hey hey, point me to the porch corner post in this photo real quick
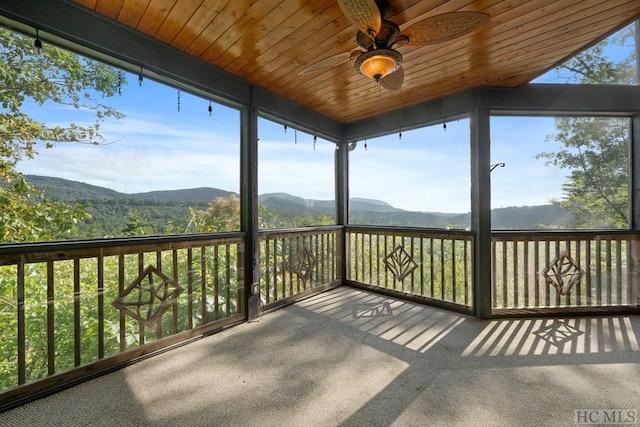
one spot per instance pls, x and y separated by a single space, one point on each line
481 210
634 202
249 206
342 201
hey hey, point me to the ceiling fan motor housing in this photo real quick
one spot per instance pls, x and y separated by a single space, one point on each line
385 38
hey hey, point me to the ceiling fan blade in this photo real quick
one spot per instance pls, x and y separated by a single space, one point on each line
364 14
328 62
393 81
447 26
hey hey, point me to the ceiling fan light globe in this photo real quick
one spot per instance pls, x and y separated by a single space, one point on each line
378 63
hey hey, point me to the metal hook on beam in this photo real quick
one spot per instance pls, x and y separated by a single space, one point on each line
495 166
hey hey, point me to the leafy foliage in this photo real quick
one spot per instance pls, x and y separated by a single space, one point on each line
55 76
595 149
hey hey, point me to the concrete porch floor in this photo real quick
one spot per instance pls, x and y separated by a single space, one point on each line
352 358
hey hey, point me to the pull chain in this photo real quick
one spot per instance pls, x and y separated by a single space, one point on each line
120 82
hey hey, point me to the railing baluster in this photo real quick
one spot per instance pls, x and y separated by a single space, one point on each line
536 269
203 285
370 259
142 331
378 270
240 279
547 256
442 268
557 254
76 314
588 272
598 271
267 271
631 245
228 279
567 299
505 276
318 242
525 272
216 283
190 288
578 286
176 280
466 272
121 279
453 271
609 276
494 276
51 350
289 266
432 268
618 272
356 256
275 269
284 267
22 347
384 270
516 281
159 267
421 266
412 252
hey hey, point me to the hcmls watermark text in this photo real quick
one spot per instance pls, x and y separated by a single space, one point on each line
606 416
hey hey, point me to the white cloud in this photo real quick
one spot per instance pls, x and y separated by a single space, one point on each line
426 170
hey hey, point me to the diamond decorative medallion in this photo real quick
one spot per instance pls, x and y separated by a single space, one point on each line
148 297
303 264
563 273
400 263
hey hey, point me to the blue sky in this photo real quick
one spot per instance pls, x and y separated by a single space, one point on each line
157 147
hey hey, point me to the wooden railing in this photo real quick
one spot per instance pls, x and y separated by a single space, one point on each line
296 262
434 265
69 309
549 271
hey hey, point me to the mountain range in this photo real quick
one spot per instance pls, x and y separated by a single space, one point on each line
362 211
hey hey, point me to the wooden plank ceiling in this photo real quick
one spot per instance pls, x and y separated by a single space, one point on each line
268 43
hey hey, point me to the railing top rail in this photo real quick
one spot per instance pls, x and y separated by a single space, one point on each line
285 232
566 234
411 231
44 251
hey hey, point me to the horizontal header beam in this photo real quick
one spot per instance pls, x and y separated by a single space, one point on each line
81 30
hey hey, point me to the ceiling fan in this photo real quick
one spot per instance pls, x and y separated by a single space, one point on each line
377 37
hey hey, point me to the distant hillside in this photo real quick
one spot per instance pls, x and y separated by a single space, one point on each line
203 194
67 190
159 204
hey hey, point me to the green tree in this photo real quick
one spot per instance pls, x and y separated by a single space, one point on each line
223 214
53 76
594 149
137 224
